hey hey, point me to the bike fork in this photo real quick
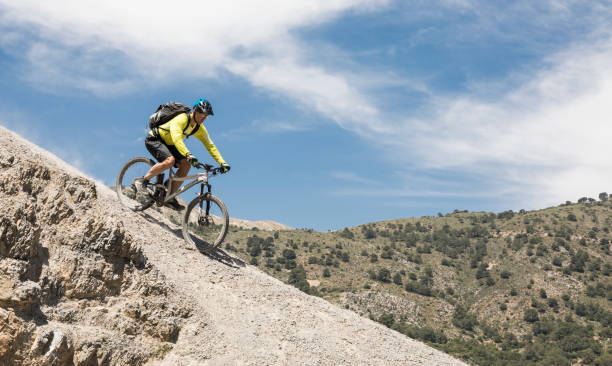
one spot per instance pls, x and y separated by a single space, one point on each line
207 201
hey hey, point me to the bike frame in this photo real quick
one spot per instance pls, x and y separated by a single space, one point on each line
200 178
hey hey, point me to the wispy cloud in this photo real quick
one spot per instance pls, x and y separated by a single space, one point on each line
409 193
278 127
114 47
354 178
538 134
266 127
544 141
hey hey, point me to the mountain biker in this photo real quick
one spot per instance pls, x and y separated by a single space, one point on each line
166 145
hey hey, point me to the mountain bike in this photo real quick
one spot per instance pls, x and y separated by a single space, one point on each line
206 216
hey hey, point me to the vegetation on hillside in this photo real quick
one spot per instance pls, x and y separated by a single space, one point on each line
513 288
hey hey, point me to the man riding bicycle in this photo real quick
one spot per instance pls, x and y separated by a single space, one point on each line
166 145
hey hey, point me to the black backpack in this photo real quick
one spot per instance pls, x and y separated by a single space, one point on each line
165 112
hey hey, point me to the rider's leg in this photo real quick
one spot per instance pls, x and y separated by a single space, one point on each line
183 170
159 168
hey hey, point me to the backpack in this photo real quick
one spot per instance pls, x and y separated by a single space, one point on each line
165 112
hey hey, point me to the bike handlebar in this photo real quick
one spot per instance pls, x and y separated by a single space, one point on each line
210 169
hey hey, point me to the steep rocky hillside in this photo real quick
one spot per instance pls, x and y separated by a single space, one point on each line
84 281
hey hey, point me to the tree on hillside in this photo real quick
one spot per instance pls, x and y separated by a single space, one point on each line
531 315
397 279
463 319
384 275
603 196
386 319
368 232
288 254
578 261
505 215
482 271
297 278
347 234
387 253
345 257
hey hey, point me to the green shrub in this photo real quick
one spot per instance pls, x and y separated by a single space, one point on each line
397 279
345 257
289 254
482 271
418 288
387 253
463 319
386 319
347 234
384 275
297 278
531 315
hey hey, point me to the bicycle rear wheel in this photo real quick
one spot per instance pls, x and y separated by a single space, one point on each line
126 191
205 231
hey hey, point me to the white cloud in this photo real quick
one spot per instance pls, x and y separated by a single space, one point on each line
268 127
330 94
542 143
114 47
352 177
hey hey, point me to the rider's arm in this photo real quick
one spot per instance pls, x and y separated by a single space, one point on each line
202 135
177 126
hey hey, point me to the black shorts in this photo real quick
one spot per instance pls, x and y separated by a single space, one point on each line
160 151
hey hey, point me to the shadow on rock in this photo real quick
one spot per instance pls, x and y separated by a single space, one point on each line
202 246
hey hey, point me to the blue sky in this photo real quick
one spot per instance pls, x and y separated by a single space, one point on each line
331 113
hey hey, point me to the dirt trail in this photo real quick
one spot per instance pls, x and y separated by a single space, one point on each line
240 315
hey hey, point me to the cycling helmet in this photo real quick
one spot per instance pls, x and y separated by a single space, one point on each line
203 106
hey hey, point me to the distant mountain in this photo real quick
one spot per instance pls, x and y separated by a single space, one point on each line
512 288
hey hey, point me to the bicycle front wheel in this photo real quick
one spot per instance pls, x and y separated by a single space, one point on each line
202 228
126 191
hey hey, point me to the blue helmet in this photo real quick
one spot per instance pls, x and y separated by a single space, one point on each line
203 106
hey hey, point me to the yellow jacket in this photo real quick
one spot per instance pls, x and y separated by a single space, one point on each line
172 134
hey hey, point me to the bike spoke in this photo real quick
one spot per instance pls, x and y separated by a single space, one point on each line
126 190
205 231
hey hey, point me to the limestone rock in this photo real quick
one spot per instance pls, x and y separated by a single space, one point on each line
84 281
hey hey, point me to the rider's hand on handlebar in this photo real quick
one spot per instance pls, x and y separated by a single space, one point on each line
225 168
193 161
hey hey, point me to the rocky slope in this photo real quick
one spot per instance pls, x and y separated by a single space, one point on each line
266 225
84 281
